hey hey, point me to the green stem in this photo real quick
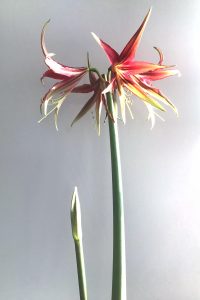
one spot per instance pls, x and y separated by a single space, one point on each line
119 256
97 72
81 270
77 236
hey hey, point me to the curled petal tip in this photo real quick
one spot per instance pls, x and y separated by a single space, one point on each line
43 46
72 123
96 37
148 14
176 111
46 23
160 55
42 80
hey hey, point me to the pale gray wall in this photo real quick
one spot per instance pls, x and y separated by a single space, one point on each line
39 167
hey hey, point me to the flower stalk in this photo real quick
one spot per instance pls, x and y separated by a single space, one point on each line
77 236
119 256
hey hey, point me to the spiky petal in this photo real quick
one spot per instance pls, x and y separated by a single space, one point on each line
137 76
68 78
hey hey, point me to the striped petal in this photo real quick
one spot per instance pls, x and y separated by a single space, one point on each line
59 90
64 86
64 70
55 66
112 55
84 88
54 89
128 53
51 74
137 90
156 93
160 74
138 67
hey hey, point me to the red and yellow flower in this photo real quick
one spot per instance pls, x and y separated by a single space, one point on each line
127 74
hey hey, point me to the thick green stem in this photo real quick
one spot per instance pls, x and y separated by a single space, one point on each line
119 257
81 270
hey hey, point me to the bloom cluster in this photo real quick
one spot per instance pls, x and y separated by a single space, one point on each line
125 77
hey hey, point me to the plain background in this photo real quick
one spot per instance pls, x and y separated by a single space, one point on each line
40 167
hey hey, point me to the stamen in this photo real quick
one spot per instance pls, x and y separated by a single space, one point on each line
128 100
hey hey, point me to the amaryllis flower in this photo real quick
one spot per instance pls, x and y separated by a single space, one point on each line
136 77
97 86
67 77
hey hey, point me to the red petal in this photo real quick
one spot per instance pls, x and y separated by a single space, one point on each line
55 66
64 70
55 88
156 93
128 52
159 74
138 67
84 88
64 87
113 56
51 74
85 108
140 92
